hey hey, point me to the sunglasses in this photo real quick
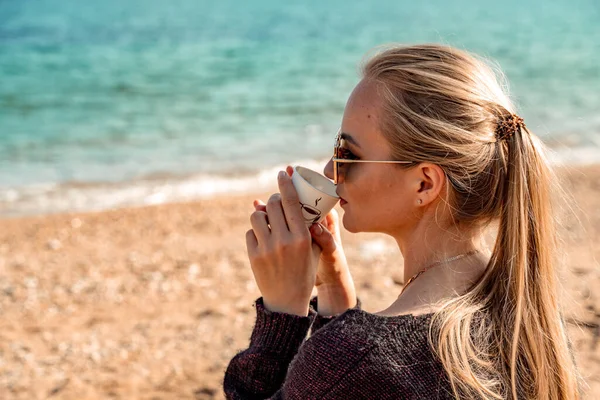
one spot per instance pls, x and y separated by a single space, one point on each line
341 154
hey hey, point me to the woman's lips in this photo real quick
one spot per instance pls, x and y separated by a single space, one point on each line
342 201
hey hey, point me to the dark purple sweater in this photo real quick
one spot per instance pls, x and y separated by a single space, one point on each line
355 355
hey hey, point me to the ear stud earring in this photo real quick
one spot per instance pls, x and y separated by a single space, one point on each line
420 201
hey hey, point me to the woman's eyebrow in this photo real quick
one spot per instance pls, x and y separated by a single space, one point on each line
349 138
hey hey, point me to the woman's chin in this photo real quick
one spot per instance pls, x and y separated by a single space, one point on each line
347 223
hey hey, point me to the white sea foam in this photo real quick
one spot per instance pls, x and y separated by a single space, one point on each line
575 155
72 197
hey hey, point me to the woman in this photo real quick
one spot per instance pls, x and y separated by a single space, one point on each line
469 323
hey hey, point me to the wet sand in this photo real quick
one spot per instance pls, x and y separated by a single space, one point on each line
152 302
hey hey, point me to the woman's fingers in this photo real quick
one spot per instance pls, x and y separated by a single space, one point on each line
291 204
259 205
332 223
278 213
322 237
258 220
276 216
251 243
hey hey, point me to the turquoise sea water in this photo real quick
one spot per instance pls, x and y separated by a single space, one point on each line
132 102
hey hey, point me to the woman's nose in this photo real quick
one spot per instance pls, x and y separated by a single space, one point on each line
328 170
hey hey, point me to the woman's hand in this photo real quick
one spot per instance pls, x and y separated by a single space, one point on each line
335 287
334 283
282 256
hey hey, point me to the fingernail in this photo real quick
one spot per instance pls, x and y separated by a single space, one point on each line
281 174
317 229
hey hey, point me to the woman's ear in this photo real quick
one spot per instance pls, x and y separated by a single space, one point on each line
431 181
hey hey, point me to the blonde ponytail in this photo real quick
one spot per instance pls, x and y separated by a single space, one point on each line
504 338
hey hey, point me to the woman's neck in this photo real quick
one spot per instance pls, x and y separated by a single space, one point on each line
430 290
430 243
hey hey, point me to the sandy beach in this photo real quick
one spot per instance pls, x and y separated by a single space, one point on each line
152 302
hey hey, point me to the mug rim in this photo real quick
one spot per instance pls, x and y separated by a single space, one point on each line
299 168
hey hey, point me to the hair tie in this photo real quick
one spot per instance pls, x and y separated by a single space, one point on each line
508 125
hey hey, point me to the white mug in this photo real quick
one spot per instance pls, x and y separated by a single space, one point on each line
316 193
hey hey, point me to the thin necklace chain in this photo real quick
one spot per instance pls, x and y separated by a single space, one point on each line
447 260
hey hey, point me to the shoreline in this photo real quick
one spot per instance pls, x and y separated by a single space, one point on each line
69 197
154 301
51 199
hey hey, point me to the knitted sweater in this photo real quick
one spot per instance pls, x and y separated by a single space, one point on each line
355 355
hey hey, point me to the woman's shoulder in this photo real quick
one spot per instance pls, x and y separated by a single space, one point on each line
382 321
359 348
358 331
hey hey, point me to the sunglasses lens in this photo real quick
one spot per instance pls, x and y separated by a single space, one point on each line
336 155
335 172
335 163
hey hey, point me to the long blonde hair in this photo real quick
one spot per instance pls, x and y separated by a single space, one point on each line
505 337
